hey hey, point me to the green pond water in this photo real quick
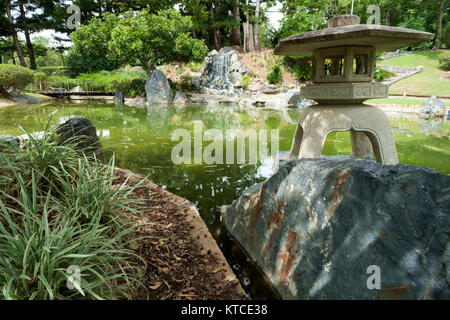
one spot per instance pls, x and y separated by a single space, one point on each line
141 141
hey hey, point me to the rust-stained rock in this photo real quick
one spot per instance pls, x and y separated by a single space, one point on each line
316 226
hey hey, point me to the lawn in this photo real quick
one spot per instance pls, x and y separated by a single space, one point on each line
400 101
426 83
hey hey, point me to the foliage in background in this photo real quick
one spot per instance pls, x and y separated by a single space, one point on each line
381 74
446 36
90 46
301 67
58 210
307 15
246 81
444 61
269 36
276 76
186 83
130 82
14 78
136 38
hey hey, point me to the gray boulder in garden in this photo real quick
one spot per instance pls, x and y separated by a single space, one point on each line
119 97
82 134
9 139
293 99
433 107
196 80
180 98
158 89
346 229
271 90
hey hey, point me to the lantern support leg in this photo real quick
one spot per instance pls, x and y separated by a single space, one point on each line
369 128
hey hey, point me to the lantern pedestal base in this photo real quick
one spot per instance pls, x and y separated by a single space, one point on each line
369 128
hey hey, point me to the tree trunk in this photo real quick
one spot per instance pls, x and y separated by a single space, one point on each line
251 42
4 93
388 18
216 32
247 30
258 5
237 29
14 34
13 58
27 38
437 43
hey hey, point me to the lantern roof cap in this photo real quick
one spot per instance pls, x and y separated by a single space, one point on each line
383 38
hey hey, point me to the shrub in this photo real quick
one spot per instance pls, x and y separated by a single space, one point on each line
428 45
444 61
131 83
381 74
186 83
14 78
195 66
40 76
246 81
83 62
303 71
58 210
276 76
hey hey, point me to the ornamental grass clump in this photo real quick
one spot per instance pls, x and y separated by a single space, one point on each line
61 233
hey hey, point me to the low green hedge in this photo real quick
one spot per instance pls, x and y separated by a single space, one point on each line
381 74
14 78
276 76
130 83
444 61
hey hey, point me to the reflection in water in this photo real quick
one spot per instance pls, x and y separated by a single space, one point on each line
430 124
141 140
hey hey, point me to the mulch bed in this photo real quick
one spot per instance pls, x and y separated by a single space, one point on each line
179 264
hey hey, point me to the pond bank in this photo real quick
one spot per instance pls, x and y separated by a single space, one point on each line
183 259
24 99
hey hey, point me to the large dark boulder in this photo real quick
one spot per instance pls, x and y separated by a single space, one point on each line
82 134
316 227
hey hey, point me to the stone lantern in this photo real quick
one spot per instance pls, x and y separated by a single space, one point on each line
343 70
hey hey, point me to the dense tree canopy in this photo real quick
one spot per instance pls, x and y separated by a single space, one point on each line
155 39
217 22
307 15
142 38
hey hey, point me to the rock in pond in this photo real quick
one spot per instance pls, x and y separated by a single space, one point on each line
433 107
158 89
119 97
83 134
180 98
9 139
293 99
319 228
271 90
